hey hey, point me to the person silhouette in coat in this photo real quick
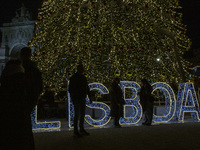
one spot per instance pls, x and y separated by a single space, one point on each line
15 109
78 89
146 100
117 102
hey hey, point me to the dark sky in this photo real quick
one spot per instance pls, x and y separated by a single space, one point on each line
190 10
191 17
9 7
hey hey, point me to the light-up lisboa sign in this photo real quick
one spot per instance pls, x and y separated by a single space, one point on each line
132 104
105 109
44 125
187 102
174 108
170 102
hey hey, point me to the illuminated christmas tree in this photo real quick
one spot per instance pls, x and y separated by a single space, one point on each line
132 39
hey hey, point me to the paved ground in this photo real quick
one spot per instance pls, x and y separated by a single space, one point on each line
176 136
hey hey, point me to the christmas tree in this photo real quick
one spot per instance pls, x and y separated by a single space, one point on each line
130 39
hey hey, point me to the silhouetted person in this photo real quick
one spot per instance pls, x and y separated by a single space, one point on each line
146 100
117 102
78 89
34 81
33 75
16 132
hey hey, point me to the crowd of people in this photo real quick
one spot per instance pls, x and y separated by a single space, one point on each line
21 87
78 89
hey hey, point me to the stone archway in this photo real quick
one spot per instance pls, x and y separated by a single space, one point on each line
15 36
15 51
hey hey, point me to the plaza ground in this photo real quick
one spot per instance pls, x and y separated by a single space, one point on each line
171 136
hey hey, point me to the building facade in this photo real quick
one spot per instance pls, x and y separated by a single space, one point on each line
15 36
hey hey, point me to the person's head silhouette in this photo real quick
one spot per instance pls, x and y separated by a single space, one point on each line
25 53
117 80
144 82
80 69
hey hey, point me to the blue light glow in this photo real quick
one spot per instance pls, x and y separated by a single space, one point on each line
45 125
71 112
187 102
105 115
101 121
131 104
170 102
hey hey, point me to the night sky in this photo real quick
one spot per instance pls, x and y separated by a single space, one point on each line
9 7
190 10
